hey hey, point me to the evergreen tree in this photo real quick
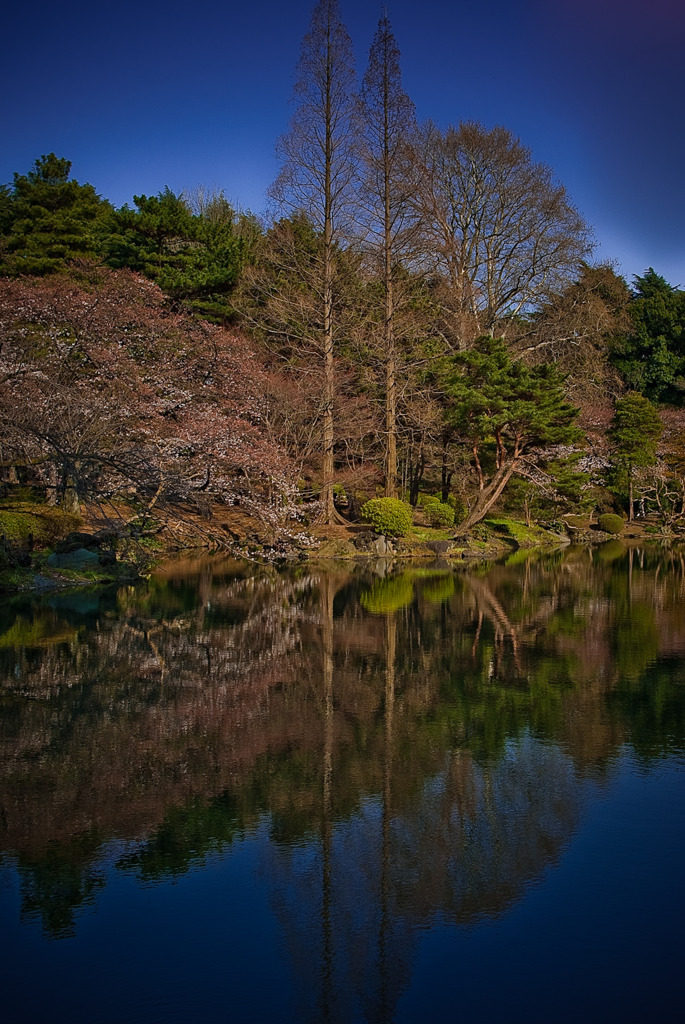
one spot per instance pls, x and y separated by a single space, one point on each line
651 355
510 415
634 435
195 258
50 219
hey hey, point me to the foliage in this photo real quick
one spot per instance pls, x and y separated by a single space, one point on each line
635 431
509 414
194 258
50 219
634 436
388 516
575 328
105 395
651 354
610 523
437 513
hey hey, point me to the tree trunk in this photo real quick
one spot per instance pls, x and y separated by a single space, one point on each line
390 384
445 474
328 436
416 476
630 500
70 502
487 497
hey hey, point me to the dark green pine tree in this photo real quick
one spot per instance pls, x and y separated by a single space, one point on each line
50 220
651 356
510 415
634 435
195 258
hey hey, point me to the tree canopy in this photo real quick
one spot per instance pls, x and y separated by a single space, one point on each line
49 218
510 415
651 353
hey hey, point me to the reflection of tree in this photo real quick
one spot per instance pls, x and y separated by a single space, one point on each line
60 881
389 594
177 715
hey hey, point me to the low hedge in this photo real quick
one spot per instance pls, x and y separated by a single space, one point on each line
389 516
437 513
610 523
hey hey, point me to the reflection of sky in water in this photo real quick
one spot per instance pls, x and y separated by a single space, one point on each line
483 812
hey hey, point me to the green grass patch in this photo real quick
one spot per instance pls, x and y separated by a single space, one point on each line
428 533
524 536
21 522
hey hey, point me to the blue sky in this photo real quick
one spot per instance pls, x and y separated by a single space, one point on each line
143 95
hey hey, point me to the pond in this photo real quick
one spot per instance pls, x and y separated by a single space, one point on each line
368 793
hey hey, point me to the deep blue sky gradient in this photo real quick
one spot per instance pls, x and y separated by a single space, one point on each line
143 95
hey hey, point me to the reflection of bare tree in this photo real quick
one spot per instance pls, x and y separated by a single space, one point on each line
208 696
488 605
327 596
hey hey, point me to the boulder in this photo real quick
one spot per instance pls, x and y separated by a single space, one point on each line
440 547
382 546
75 541
372 543
81 558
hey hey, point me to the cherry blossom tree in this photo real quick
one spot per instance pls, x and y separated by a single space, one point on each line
106 393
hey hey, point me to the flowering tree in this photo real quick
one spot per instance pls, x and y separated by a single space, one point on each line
104 392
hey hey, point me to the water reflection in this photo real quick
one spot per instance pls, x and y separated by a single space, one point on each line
419 742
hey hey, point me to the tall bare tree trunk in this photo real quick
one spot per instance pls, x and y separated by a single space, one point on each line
390 382
316 179
387 119
329 366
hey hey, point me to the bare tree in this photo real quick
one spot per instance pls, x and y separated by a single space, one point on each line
386 123
317 175
499 232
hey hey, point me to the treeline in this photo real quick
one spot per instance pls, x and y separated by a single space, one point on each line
421 308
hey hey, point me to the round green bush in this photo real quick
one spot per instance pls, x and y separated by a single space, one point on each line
610 523
389 516
437 513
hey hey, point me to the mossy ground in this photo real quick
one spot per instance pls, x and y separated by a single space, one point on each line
30 526
40 577
25 523
519 532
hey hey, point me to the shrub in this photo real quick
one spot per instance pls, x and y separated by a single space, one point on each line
437 513
388 516
460 508
610 523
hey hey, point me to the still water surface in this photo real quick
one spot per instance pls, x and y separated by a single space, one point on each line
355 795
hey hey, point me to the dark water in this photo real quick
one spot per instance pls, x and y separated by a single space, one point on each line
423 796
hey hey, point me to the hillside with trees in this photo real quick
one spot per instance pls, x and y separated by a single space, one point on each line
418 318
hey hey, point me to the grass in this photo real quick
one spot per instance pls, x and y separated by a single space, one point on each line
520 533
426 533
23 522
